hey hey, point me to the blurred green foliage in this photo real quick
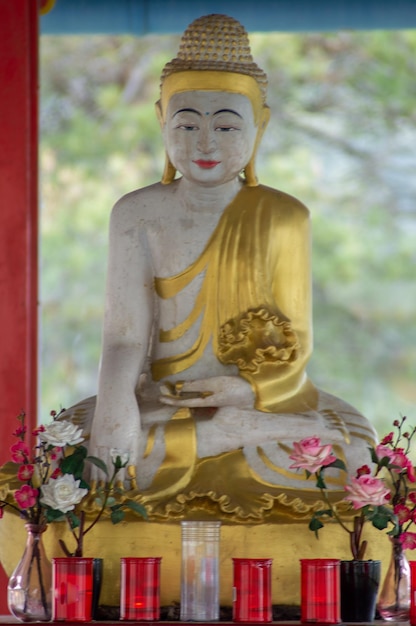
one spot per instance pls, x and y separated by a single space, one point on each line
341 139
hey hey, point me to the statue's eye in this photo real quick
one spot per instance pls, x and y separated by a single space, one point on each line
226 129
187 127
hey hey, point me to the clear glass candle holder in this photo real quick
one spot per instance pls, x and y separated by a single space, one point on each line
200 571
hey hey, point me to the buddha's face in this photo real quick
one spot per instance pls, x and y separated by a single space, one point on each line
209 136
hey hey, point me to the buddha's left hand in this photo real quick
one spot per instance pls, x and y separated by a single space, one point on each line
209 392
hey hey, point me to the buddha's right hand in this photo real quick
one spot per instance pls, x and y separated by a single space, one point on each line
112 441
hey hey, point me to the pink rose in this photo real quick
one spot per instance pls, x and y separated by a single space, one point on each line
408 540
26 497
384 451
366 490
309 454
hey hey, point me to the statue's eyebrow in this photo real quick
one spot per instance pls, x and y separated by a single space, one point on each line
228 111
187 111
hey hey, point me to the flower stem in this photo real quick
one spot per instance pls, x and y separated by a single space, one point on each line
357 549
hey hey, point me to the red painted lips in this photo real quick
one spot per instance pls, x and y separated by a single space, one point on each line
206 164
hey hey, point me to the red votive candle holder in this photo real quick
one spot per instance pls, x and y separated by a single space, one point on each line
320 591
72 589
252 590
412 593
140 588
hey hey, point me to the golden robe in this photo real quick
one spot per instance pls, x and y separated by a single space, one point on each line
255 306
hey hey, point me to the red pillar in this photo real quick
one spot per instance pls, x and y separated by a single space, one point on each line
18 219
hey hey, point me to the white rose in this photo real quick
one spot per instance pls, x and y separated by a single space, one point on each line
121 455
62 433
62 493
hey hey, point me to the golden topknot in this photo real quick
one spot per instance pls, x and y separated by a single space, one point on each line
220 43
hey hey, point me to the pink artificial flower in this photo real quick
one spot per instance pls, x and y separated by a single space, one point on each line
37 431
404 464
309 454
56 472
364 469
384 451
25 472
20 431
55 453
402 512
366 490
412 497
20 452
408 540
387 439
26 496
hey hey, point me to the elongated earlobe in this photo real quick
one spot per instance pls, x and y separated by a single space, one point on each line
169 172
250 169
250 173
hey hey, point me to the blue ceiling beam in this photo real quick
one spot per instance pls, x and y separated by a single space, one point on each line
142 17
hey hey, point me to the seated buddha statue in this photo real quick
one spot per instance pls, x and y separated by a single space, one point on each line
208 323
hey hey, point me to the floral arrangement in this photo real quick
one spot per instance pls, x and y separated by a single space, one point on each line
381 496
52 487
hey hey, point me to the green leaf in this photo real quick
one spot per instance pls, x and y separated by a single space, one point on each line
380 521
138 508
320 483
386 462
98 463
73 519
83 484
381 516
117 516
324 512
74 463
374 456
315 524
53 515
338 463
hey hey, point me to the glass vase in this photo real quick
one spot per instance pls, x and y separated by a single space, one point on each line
29 587
394 600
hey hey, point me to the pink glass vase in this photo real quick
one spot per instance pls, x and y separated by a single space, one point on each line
394 600
29 587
